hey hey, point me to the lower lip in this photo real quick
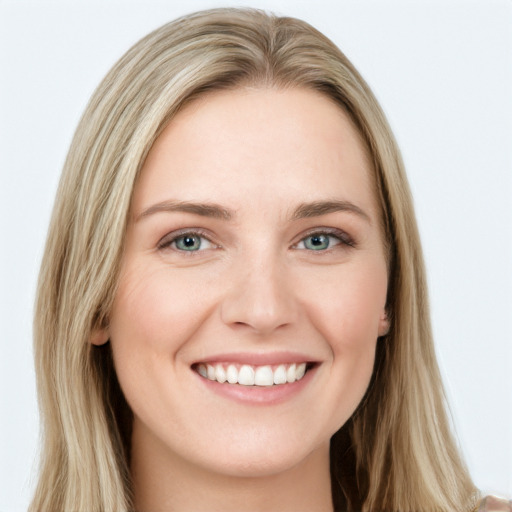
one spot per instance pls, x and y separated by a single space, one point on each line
263 395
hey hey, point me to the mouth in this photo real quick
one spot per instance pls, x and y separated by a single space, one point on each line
253 375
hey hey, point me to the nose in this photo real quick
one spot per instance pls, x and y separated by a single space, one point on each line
260 298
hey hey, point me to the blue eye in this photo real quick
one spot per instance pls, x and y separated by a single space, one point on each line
188 242
323 241
319 242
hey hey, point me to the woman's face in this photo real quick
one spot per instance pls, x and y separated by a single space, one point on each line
253 253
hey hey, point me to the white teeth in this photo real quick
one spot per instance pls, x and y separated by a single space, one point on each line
249 375
232 374
299 372
290 373
246 375
220 374
280 374
263 376
210 370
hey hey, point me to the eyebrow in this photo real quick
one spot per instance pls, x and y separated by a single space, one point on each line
213 210
203 209
318 208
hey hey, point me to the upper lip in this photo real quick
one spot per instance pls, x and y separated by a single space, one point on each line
258 359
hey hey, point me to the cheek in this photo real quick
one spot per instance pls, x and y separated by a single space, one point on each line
348 307
347 311
156 310
155 314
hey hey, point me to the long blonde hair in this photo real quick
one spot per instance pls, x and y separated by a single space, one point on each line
396 452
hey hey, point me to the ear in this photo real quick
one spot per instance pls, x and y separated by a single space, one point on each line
99 337
384 323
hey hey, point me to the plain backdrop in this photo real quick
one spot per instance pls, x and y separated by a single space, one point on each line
443 73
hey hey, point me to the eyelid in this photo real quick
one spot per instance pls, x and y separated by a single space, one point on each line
167 240
341 235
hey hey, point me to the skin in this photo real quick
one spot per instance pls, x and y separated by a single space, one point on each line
255 287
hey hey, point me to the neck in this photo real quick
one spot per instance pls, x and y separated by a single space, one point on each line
165 482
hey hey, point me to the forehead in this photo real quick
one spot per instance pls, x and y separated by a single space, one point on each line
236 144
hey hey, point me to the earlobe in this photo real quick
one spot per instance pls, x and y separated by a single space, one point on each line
99 337
384 324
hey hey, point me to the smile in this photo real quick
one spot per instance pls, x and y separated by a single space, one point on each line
250 375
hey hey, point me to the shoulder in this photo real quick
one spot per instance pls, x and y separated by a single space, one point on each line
495 504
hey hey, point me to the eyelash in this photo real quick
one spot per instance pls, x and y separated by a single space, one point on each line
167 241
343 238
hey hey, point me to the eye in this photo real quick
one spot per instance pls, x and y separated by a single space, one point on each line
318 242
186 242
322 241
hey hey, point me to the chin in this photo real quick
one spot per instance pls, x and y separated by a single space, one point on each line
269 457
260 467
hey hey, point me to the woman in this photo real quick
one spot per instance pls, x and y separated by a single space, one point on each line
232 307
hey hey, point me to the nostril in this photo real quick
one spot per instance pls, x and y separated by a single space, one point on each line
262 302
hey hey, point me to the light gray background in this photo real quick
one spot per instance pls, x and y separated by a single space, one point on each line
443 73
